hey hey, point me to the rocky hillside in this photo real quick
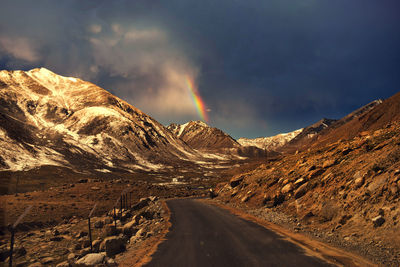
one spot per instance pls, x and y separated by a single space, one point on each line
327 129
48 119
271 143
346 185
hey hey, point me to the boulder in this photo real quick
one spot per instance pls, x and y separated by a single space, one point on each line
328 163
143 202
99 224
48 260
287 188
235 181
113 245
96 245
111 262
378 221
358 180
81 234
315 173
301 191
129 228
140 233
35 264
63 264
91 259
109 230
299 182
71 257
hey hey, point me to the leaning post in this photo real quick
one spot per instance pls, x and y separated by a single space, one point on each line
12 230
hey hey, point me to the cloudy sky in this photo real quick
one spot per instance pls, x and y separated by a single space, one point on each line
261 67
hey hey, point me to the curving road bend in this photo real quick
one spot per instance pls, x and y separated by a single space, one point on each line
205 235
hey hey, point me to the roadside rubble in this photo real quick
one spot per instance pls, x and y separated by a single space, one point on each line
68 244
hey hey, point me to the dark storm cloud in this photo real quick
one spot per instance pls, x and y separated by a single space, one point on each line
262 67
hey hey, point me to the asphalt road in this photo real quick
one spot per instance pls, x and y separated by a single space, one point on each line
205 235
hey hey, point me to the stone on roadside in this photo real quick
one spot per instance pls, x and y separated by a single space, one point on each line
129 228
113 245
91 259
143 202
96 245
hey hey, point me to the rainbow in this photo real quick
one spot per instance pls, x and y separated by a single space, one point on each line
197 101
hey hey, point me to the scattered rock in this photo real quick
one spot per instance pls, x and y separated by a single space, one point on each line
344 219
36 264
48 260
113 245
301 191
287 188
96 245
141 204
235 181
328 163
109 230
56 238
141 232
63 264
99 224
71 257
129 228
95 188
299 182
245 198
91 259
111 262
85 243
81 234
358 179
378 221
278 199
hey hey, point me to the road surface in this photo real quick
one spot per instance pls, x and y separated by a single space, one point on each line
205 235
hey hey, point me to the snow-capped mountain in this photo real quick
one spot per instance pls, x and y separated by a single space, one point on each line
199 135
271 143
48 119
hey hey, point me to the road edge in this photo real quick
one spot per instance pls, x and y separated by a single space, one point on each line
312 247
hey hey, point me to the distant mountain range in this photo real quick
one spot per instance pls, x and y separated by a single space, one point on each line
48 119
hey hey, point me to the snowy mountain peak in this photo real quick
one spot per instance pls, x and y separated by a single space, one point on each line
270 143
48 119
201 136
